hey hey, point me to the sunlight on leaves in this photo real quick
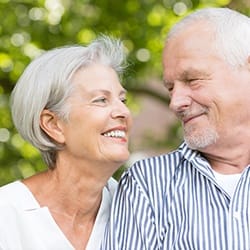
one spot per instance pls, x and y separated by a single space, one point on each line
6 63
37 14
180 8
85 36
4 135
31 50
56 10
25 168
17 141
28 151
155 17
143 55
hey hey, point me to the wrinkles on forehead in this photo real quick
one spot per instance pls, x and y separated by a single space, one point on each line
187 75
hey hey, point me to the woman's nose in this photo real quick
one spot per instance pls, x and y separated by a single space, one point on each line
120 110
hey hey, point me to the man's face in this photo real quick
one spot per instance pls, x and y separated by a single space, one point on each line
209 96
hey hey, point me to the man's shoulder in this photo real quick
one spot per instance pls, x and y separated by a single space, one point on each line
151 176
160 168
155 163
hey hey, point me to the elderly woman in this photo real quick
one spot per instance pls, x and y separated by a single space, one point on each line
69 103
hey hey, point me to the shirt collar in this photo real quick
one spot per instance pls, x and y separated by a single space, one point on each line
196 159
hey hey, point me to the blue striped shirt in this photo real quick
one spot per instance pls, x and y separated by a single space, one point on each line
173 202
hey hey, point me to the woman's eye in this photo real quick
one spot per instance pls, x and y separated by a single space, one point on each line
124 100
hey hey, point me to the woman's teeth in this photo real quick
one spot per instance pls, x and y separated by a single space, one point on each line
115 133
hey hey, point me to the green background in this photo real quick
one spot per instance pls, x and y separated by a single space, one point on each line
29 27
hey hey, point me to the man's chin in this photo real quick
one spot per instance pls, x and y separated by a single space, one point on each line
200 142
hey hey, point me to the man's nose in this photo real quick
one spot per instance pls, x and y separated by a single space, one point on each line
180 98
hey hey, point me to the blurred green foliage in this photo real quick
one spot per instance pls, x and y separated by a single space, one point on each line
29 27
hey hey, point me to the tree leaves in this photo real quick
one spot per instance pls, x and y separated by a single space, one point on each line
29 27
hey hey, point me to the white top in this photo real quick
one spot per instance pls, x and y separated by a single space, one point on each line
24 225
227 181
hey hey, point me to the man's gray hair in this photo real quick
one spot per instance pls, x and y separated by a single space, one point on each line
231 31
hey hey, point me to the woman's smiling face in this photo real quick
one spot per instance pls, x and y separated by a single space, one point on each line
99 120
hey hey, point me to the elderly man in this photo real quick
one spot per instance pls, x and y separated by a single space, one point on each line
198 196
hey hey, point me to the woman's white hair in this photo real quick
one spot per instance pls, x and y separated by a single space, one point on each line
45 84
231 31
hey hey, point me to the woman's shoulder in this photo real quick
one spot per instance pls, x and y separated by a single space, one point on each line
10 191
9 196
17 195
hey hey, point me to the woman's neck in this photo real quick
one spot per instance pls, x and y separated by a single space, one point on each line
73 201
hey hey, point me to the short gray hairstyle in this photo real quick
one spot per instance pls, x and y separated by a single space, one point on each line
45 84
231 30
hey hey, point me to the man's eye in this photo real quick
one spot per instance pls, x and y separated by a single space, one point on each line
169 87
193 79
101 100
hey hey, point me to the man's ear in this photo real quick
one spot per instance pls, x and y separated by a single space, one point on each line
51 125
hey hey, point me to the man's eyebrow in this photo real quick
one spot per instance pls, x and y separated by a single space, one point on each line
189 73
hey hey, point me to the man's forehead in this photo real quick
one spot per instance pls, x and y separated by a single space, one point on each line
184 74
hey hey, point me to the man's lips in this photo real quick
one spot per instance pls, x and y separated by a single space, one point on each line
185 120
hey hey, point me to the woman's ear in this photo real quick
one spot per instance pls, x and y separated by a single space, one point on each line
52 126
